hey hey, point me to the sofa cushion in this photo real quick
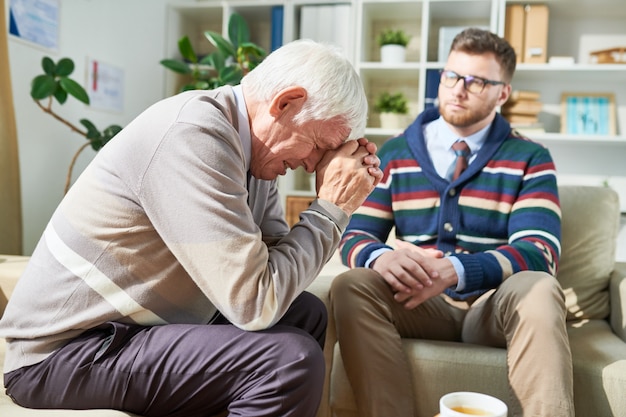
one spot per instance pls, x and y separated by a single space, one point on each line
590 225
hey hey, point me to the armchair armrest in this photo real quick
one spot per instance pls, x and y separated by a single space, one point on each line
617 289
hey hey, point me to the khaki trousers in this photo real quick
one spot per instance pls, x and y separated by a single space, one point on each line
525 315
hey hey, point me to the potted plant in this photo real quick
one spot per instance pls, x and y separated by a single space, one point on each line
393 108
233 58
393 44
55 84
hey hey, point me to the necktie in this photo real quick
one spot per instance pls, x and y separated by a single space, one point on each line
462 151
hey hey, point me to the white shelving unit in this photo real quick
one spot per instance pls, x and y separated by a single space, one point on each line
575 28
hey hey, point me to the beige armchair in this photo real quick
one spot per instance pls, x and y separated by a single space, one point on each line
595 288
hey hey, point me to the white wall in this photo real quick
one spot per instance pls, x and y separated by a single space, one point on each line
128 34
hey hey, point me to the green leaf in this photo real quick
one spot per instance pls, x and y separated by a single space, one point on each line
188 87
60 94
220 43
48 65
216 60
64 67
176 66
111 131
107 135
250 48
231 75
208 59
75 90
96 144
92 132
186 49
42 86
201 85
238 31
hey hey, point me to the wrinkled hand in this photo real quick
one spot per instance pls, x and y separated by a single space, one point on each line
371 160
347 175
415 274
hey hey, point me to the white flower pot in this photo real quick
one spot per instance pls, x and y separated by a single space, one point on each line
392 121
392 54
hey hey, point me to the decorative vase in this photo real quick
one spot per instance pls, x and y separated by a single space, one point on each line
392 54
392 121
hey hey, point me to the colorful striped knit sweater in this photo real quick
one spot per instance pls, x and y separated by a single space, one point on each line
501 216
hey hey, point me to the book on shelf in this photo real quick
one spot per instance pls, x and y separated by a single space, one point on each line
277 27
520 118
524 95
522 107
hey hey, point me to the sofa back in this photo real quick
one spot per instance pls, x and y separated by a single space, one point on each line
590 224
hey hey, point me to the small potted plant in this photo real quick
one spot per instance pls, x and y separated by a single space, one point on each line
393 108
393 44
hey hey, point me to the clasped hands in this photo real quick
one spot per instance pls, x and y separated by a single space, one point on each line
415 274
347 175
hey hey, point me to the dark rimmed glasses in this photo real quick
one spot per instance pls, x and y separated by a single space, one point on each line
473 84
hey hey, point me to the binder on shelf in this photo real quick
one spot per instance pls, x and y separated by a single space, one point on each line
432 88
514 29
277 27
327 23
536 34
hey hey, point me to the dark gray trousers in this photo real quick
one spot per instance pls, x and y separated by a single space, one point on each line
186 370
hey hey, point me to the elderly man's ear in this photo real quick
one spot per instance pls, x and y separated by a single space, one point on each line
289 99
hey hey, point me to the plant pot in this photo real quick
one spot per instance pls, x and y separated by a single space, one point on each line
392 54
392 121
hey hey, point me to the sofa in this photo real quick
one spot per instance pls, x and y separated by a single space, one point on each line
595 288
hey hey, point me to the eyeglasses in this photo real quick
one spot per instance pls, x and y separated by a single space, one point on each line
473 84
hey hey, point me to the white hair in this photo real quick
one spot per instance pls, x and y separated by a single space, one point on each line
333 86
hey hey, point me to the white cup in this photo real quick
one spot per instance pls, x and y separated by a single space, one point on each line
463 404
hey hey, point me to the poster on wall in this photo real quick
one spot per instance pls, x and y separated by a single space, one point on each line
105 86
35 21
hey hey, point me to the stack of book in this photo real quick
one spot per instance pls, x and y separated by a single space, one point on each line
522 110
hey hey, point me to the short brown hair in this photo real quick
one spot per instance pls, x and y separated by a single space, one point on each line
479 41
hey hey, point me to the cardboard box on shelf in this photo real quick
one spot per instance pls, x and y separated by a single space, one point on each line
514 29
526 29
536 34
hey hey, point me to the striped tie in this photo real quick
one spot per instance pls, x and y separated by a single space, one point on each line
462 151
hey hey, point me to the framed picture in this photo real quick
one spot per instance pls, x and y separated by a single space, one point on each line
588 113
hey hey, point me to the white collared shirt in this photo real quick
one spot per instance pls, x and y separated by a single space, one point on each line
439 140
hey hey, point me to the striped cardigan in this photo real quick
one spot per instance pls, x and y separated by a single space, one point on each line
501 216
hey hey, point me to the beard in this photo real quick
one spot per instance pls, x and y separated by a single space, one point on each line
470 116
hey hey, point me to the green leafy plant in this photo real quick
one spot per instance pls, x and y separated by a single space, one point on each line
391 103
55 84
233 58
393 37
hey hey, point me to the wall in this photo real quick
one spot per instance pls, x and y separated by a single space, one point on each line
126 34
